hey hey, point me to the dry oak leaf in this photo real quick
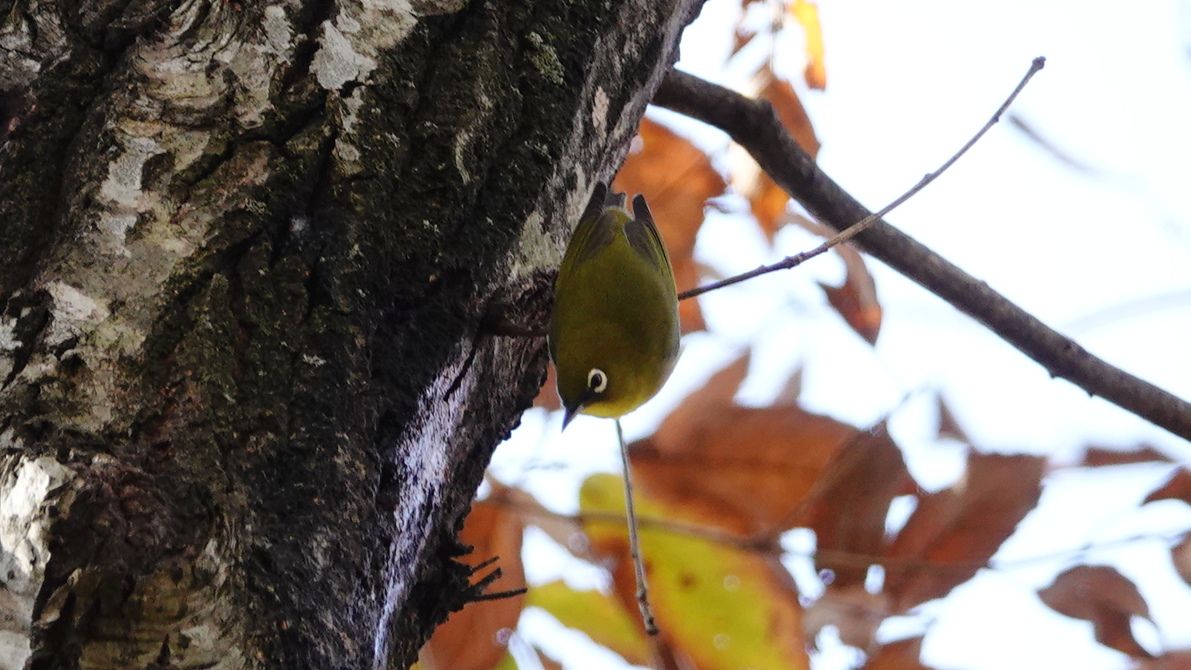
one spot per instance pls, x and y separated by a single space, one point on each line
547 397
676 178
476 637
718 607
1095 456
853 610
767 200
849 504
1103 596
949 425
856 301
900 655
1180 555
744 470
1177 487
1174 660
954 532
566 531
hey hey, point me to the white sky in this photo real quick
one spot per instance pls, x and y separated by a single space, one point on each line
1105 258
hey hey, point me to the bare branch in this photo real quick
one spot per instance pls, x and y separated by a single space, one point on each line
754 125
867 222
770 543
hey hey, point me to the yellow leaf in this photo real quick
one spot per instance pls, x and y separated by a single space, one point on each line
807 15
720 607
603 619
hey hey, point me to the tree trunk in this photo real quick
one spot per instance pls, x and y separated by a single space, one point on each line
245 255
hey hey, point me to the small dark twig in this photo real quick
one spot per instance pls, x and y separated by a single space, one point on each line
754 125
475 592
651 627
771 545
499 595
867 222
473 569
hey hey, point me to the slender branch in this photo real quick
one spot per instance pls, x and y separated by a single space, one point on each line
867 222
754 125
771 545
651 627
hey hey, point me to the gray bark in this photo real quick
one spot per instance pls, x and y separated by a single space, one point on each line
245 255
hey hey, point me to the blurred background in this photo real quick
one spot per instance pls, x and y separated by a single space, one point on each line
1077 207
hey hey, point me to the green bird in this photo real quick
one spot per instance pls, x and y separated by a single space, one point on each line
614 326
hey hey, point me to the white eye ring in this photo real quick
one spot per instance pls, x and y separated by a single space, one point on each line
597 380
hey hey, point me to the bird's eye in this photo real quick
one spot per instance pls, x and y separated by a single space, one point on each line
597 381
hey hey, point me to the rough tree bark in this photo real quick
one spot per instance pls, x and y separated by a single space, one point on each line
245 254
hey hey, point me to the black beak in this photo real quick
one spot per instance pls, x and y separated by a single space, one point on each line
568 414
571 410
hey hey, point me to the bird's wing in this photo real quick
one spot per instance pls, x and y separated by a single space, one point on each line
593 233
643 236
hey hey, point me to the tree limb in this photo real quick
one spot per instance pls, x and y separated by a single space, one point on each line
867 222
754 125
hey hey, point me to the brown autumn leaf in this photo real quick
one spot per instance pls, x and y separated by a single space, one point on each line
766 199
676 178
741 38
900 655
807 15
855 613
1103 596
1180 555
566 531
848 505
953 533
786 103
680 427
1177 487
546 661
856 301
1172 660
1095 456
948 424
476 637
741 469
791 391
547 396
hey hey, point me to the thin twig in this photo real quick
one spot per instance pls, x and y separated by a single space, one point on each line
499 595
754 125
771 546
651 627
865 223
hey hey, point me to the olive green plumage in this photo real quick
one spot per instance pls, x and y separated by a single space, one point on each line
614 326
